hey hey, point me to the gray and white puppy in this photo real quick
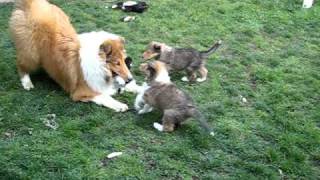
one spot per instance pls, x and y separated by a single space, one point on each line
178 59
160 93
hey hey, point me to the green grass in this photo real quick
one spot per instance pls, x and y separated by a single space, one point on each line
270 56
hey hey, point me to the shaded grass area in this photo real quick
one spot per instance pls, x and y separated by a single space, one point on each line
270 56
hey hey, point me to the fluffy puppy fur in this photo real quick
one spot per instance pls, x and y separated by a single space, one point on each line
161 94
178 59
44 37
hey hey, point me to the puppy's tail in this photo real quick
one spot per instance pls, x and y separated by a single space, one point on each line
206 54
203 122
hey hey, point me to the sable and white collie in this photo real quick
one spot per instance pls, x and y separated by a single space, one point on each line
44 37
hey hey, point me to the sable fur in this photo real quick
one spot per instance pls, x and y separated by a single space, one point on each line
176 105
178 59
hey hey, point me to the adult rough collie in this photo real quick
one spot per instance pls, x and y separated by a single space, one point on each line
44 37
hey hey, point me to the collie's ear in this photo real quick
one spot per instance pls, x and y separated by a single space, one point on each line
106 47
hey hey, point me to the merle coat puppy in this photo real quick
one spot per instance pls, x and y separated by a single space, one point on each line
160 93
178 59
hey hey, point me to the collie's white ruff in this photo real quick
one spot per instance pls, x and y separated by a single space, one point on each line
95 72
93 67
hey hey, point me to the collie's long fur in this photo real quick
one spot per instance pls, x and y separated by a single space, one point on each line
44 37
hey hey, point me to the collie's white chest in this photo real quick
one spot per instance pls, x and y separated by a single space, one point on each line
93 67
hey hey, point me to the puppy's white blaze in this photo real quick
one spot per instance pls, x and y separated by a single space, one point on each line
92 66
163 77
158 126
108 101
185 79
26 82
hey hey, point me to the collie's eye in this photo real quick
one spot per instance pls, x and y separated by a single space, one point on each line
118 63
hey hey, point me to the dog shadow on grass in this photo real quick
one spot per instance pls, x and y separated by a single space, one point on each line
189 130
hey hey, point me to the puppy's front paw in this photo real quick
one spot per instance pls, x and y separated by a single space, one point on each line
185 79
201 79
158 126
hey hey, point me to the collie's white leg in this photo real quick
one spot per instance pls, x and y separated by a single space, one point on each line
26 82
307 3
108 101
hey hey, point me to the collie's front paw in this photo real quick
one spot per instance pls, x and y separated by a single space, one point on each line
26 83
121 108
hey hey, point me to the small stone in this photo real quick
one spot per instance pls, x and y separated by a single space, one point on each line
114 154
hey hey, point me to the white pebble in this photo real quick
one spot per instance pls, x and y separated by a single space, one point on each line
114 154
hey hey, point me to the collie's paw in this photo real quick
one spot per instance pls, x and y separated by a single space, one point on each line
185 79
121 108
26 83
158 126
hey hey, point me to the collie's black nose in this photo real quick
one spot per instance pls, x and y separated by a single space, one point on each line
129 80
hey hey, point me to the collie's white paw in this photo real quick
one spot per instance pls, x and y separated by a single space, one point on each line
185 79
26 82
121 107
158 126
201 79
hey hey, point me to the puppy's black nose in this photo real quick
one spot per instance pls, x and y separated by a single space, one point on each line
129 80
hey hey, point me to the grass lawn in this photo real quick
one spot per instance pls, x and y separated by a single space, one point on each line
270 56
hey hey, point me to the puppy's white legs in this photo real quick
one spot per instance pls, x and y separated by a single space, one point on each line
139 102
158 126
108 101
26 82
146 108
